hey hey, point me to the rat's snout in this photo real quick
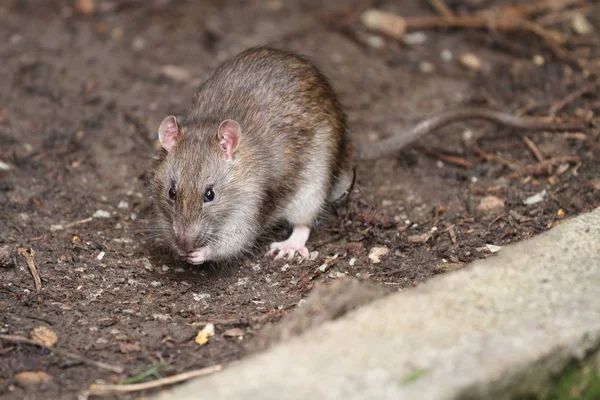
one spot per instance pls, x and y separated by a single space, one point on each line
186 239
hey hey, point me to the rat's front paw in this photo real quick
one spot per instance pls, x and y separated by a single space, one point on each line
287 249
198 256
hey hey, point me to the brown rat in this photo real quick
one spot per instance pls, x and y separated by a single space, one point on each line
265 140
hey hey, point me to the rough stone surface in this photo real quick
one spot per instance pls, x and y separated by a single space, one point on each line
501 326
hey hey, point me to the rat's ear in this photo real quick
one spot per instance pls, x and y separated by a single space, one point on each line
229 137
169 132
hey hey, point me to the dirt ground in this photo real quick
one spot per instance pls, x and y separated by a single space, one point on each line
82 97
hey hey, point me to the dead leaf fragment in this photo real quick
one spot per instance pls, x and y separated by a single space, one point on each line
470 61
129 347
31 378
204 334
44 335
420 238
234 332
491 205
376 253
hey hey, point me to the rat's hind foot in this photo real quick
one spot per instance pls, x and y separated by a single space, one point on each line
197 256
294 244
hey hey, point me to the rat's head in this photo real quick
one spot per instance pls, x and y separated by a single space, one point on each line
194 186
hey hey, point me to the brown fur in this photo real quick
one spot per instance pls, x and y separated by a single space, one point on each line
290 119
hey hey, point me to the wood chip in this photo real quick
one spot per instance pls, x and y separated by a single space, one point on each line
389 24
470 61
32 378
420 238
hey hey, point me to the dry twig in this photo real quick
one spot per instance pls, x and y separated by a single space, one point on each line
441 8
533 148
562 103
101 390
29 255
64 353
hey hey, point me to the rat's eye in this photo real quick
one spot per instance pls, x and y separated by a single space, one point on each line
209 195
172 193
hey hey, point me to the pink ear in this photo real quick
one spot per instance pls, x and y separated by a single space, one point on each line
169 132
229 137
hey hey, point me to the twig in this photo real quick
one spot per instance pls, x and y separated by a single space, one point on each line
79 222
29 254
64 353
492 157
100 390
545 167
461 162
562 103
533 148
441 8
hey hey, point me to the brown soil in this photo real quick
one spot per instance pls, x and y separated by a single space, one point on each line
82 97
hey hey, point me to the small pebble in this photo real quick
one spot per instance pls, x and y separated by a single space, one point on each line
491 204
581 25
155 284
470 61
415 38
446 55
376 253
352 261
123 204
101 214
100 256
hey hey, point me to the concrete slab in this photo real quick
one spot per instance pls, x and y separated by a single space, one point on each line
500 327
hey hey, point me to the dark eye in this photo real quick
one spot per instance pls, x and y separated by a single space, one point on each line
209 195
172 193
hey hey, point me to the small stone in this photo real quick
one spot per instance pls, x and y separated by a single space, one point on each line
200 296
446 55
538 60
138 43
376 253
164 268
123 204
470 61
375 42
491 205
147 264
32 378
426 67
100 255
234 332
352 261
387 23
415 38
155 284
7 259
4 166
581 25
285 268
101 214
57 227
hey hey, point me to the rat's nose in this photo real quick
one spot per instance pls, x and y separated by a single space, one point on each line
185 241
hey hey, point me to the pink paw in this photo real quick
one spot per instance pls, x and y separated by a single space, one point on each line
198 256
287 249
